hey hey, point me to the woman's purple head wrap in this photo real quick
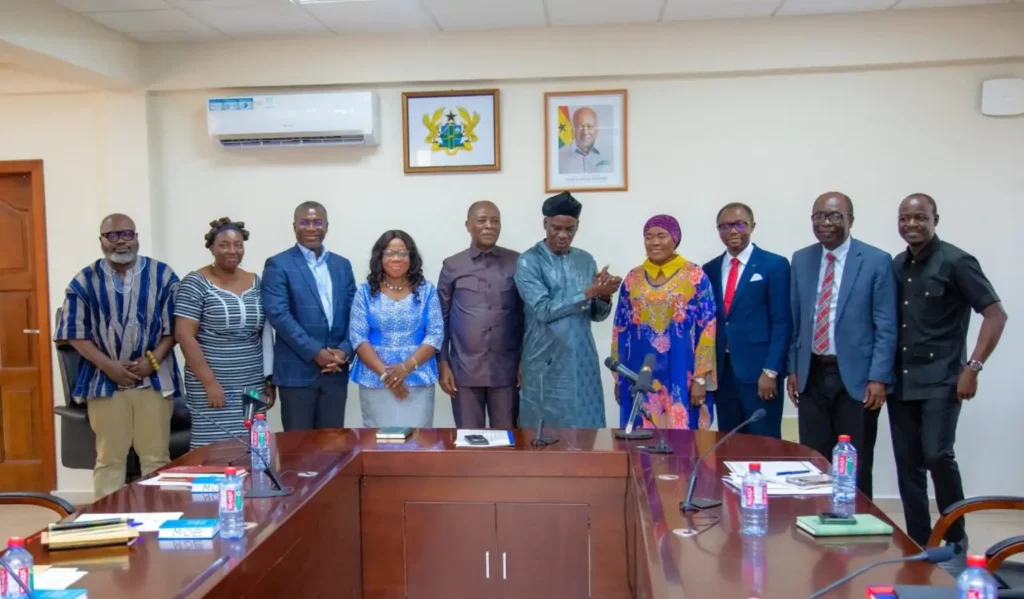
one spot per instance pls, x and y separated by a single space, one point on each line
666 222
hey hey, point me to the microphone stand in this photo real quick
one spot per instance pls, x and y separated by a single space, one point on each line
251 402
280 491
629 432
691 504
662 446
539 440
24 587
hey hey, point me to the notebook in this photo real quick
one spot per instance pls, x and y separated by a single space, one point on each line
866 525
394 433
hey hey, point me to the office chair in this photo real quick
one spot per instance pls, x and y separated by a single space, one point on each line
1009 574
26 524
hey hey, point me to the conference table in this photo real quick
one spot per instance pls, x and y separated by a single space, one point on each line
589 516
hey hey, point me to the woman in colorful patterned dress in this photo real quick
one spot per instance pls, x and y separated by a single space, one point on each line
666 307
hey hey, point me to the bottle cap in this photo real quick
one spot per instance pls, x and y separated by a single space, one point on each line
15 542
975 561
844 438
261 416
755 467
230 471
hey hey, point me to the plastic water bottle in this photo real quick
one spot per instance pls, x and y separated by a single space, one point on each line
844 477
259 441
232 514
20 561
975 582
754 503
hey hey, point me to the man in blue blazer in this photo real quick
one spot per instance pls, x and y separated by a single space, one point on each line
307 295
843 295
752 293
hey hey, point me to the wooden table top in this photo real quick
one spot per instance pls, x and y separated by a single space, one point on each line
710 564
719 562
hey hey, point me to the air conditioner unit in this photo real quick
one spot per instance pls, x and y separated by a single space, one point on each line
289 120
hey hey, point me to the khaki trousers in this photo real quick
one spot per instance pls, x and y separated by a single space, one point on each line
134 417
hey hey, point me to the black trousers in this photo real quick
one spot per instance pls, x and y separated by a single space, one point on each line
826 411
923 434
321 405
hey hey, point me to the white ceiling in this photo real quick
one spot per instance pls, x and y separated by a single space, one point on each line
210 20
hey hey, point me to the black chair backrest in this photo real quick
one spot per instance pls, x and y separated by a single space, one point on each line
70 361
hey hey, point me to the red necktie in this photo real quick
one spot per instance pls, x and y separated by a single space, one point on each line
824 307
730 284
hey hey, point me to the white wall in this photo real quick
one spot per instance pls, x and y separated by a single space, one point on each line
775 142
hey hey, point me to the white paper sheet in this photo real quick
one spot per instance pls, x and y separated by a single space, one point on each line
495 438
150 521
776 473
56 579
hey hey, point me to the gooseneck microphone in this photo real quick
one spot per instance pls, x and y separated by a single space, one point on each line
280 491
932 555
691 504
642 384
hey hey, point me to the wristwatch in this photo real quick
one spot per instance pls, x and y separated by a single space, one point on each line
975 365
771 373
699 380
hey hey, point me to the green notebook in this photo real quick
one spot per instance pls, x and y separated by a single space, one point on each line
866 525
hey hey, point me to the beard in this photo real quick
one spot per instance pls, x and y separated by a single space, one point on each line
122 257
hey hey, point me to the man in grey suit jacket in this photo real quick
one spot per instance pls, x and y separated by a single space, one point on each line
843 297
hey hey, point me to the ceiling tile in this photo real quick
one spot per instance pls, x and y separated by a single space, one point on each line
373 17
931 3
180 37
145 21
111 5
189 4
818 7
603 12
455 15
262 19
678 10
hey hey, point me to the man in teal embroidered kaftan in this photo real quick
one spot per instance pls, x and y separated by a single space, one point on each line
563 293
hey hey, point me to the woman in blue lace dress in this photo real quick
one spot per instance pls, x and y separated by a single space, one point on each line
396 329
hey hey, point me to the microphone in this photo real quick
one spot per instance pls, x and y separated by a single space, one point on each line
662 446
617 367
932 555
12 574
539 440
280 491
702 503
645 378
251 403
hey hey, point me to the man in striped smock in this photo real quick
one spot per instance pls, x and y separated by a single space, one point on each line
118 314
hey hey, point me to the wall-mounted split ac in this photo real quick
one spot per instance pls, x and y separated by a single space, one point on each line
290 120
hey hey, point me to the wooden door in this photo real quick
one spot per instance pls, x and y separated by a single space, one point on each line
26 400
543 551
450 551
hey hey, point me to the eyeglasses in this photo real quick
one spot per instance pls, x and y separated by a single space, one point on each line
316 224
396 254
114 236
834 218
738 226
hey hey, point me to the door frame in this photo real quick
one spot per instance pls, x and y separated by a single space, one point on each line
34 169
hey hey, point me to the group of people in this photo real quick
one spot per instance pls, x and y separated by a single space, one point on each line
841 328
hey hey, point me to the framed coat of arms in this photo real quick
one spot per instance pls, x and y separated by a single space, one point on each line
451 131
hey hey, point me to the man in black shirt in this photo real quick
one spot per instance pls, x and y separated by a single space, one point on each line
938 285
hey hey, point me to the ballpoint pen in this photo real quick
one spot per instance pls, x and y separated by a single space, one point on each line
791 472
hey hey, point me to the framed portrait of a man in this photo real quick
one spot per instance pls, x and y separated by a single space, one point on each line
451 131
585 145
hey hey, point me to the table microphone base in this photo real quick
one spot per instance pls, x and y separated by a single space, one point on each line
266 493
698 504
637 433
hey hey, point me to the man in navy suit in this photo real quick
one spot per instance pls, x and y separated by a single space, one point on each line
843 296
307 295
752 292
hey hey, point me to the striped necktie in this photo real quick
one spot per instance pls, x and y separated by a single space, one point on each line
821 319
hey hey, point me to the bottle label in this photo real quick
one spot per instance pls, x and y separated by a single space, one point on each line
230 500
258 438
973 594
755 496
10 587
846 466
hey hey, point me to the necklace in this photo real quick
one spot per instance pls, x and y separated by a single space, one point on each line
385 283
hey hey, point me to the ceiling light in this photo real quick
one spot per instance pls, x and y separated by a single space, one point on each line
306 2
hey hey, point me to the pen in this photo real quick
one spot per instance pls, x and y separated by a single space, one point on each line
792 472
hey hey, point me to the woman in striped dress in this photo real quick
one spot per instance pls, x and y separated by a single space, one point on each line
222 330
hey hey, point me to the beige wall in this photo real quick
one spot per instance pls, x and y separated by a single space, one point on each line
703 131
